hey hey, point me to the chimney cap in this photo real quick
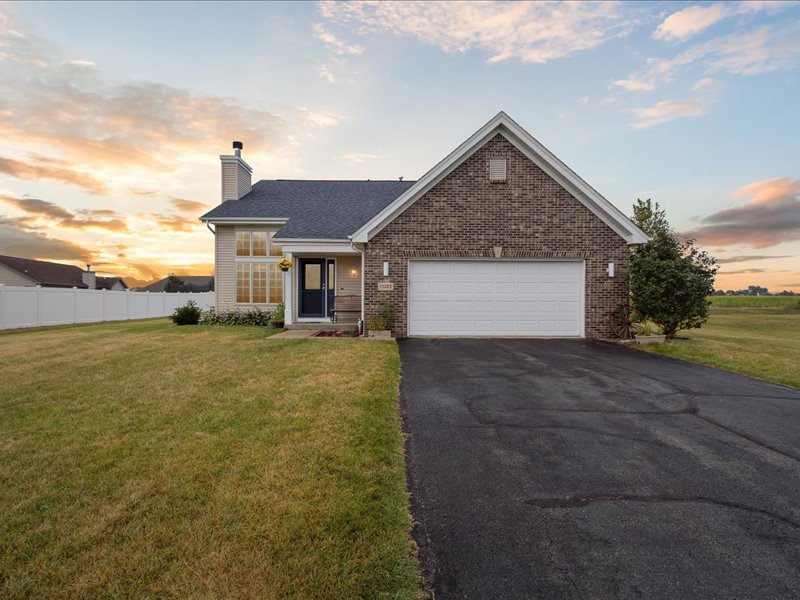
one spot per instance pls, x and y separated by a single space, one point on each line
88 267
238 145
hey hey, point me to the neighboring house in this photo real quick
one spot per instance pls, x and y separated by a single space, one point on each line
191 283
25 271
500 238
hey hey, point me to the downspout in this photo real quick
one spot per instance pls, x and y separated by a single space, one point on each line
216 281
361 251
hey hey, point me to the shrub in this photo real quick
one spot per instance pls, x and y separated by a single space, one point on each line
252 316
376 323
387 313
670 279
279 316
186 315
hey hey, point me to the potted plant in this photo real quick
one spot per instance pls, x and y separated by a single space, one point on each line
284 264
647 333
380 325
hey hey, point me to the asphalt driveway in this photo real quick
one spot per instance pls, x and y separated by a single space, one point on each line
579 469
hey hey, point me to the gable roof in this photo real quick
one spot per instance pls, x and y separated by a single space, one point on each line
46 273
319 210
536 152
106 283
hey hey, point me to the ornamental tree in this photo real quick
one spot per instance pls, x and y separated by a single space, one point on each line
670 279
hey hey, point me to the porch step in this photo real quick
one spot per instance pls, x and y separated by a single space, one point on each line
324 326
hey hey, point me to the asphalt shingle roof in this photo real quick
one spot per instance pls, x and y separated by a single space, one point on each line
46 273
315 209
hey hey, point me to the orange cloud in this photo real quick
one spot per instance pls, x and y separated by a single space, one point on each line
40 167
190 206
770 217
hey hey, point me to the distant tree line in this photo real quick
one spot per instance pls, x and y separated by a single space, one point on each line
753 290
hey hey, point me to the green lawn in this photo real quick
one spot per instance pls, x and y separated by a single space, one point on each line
144 460
758 336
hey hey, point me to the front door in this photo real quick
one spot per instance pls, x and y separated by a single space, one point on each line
312 288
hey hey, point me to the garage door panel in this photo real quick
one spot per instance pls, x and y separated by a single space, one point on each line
484 298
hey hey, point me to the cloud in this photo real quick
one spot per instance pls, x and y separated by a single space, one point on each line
40 167
31 244
336 45
745 53
528 31
191 206
706 92
707 85
318 118
743 271
634 84
57 216
771 216
358 158
106 137
749 257
667 110
326 74
690 21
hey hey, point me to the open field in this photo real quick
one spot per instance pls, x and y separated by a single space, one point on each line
757 336
144 460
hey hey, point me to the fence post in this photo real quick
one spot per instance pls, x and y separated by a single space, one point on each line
2 306
38 305
74 304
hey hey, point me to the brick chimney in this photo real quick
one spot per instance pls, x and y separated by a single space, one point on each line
89 278
235 174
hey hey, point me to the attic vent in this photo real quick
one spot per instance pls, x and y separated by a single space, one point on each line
497 170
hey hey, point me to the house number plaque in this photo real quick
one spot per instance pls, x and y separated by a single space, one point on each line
385 286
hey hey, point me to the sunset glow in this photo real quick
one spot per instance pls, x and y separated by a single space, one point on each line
113 115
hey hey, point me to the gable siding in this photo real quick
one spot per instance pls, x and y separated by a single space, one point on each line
529 215
11 277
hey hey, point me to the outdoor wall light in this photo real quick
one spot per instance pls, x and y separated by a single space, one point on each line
354 272
610 269
386 268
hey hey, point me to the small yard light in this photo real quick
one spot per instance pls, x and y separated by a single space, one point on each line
610 269
386 268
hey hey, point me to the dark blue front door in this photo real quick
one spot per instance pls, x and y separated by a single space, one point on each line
312 287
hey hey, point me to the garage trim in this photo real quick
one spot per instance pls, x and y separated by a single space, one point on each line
581 294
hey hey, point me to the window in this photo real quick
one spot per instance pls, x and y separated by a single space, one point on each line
259 283
275 284
259 280
242 243
497 170
274 249
260 243
243 282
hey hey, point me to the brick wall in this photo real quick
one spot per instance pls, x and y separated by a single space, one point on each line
529 215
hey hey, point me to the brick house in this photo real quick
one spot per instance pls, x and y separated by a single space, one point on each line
500 238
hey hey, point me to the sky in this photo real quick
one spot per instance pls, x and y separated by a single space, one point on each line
113 115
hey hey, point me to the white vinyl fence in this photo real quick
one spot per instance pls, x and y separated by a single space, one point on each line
25 306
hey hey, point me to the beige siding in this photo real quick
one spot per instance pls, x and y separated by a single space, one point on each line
346 283
225 266
225 269
236 181
12 277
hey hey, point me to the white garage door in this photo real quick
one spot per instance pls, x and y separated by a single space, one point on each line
495 298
